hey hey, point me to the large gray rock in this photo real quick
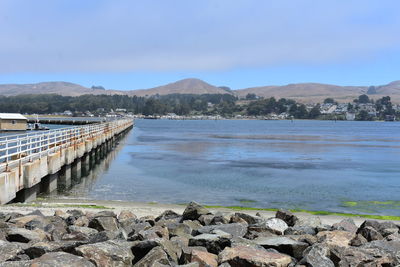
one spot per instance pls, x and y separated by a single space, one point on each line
213 242
317 256
109 253
235 229
276 225
101 223
352 256
9 250
311 221
23 235
179 229
250 256
284 245
193 211
345 225
370 233
61 259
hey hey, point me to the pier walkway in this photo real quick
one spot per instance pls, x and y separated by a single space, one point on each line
27 159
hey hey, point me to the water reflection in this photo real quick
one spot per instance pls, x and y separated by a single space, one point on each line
80 178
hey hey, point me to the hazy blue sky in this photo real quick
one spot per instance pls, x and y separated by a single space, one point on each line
123 44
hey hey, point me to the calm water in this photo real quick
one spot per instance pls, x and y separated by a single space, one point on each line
316 165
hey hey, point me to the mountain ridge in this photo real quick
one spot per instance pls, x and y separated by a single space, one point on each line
302 92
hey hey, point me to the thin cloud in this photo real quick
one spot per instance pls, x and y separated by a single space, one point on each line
56 36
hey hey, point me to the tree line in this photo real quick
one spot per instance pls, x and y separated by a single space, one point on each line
225 105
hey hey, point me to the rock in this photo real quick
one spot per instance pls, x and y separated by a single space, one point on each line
179 242
155 256
141 248
276 225
221 218
84 230
186 256
131 227
179 229
149 219
213 242
61 259
384 228
126 214
369 233
390 247
193 211
345 225
155 232
195 225
352 256
75 236
317 256
75 213
309 239
109 253
300 230
205 259
23 220
235 229
38 249
237 219
358 240
22 263
61 214
250 256
249 218
81 221
206 219
168 215
103 236
335 238
284 245
24 235
289 218
311 221
8 250
101 223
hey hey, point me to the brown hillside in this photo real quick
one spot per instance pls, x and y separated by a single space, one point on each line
186 86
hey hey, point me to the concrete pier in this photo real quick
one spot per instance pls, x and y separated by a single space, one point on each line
54 159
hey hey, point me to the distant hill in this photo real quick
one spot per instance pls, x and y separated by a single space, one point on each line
301 92
316 92
61 88
186 86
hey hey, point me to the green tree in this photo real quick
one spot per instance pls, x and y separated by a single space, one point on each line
314 112
363 99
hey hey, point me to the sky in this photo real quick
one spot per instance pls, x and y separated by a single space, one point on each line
124 44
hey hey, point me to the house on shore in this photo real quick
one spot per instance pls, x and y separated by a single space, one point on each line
13 122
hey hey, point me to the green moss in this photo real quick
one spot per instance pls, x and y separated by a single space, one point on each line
349 203
320 213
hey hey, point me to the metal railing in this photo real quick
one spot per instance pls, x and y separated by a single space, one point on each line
26 146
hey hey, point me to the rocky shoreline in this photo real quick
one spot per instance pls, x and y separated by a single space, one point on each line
196 237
